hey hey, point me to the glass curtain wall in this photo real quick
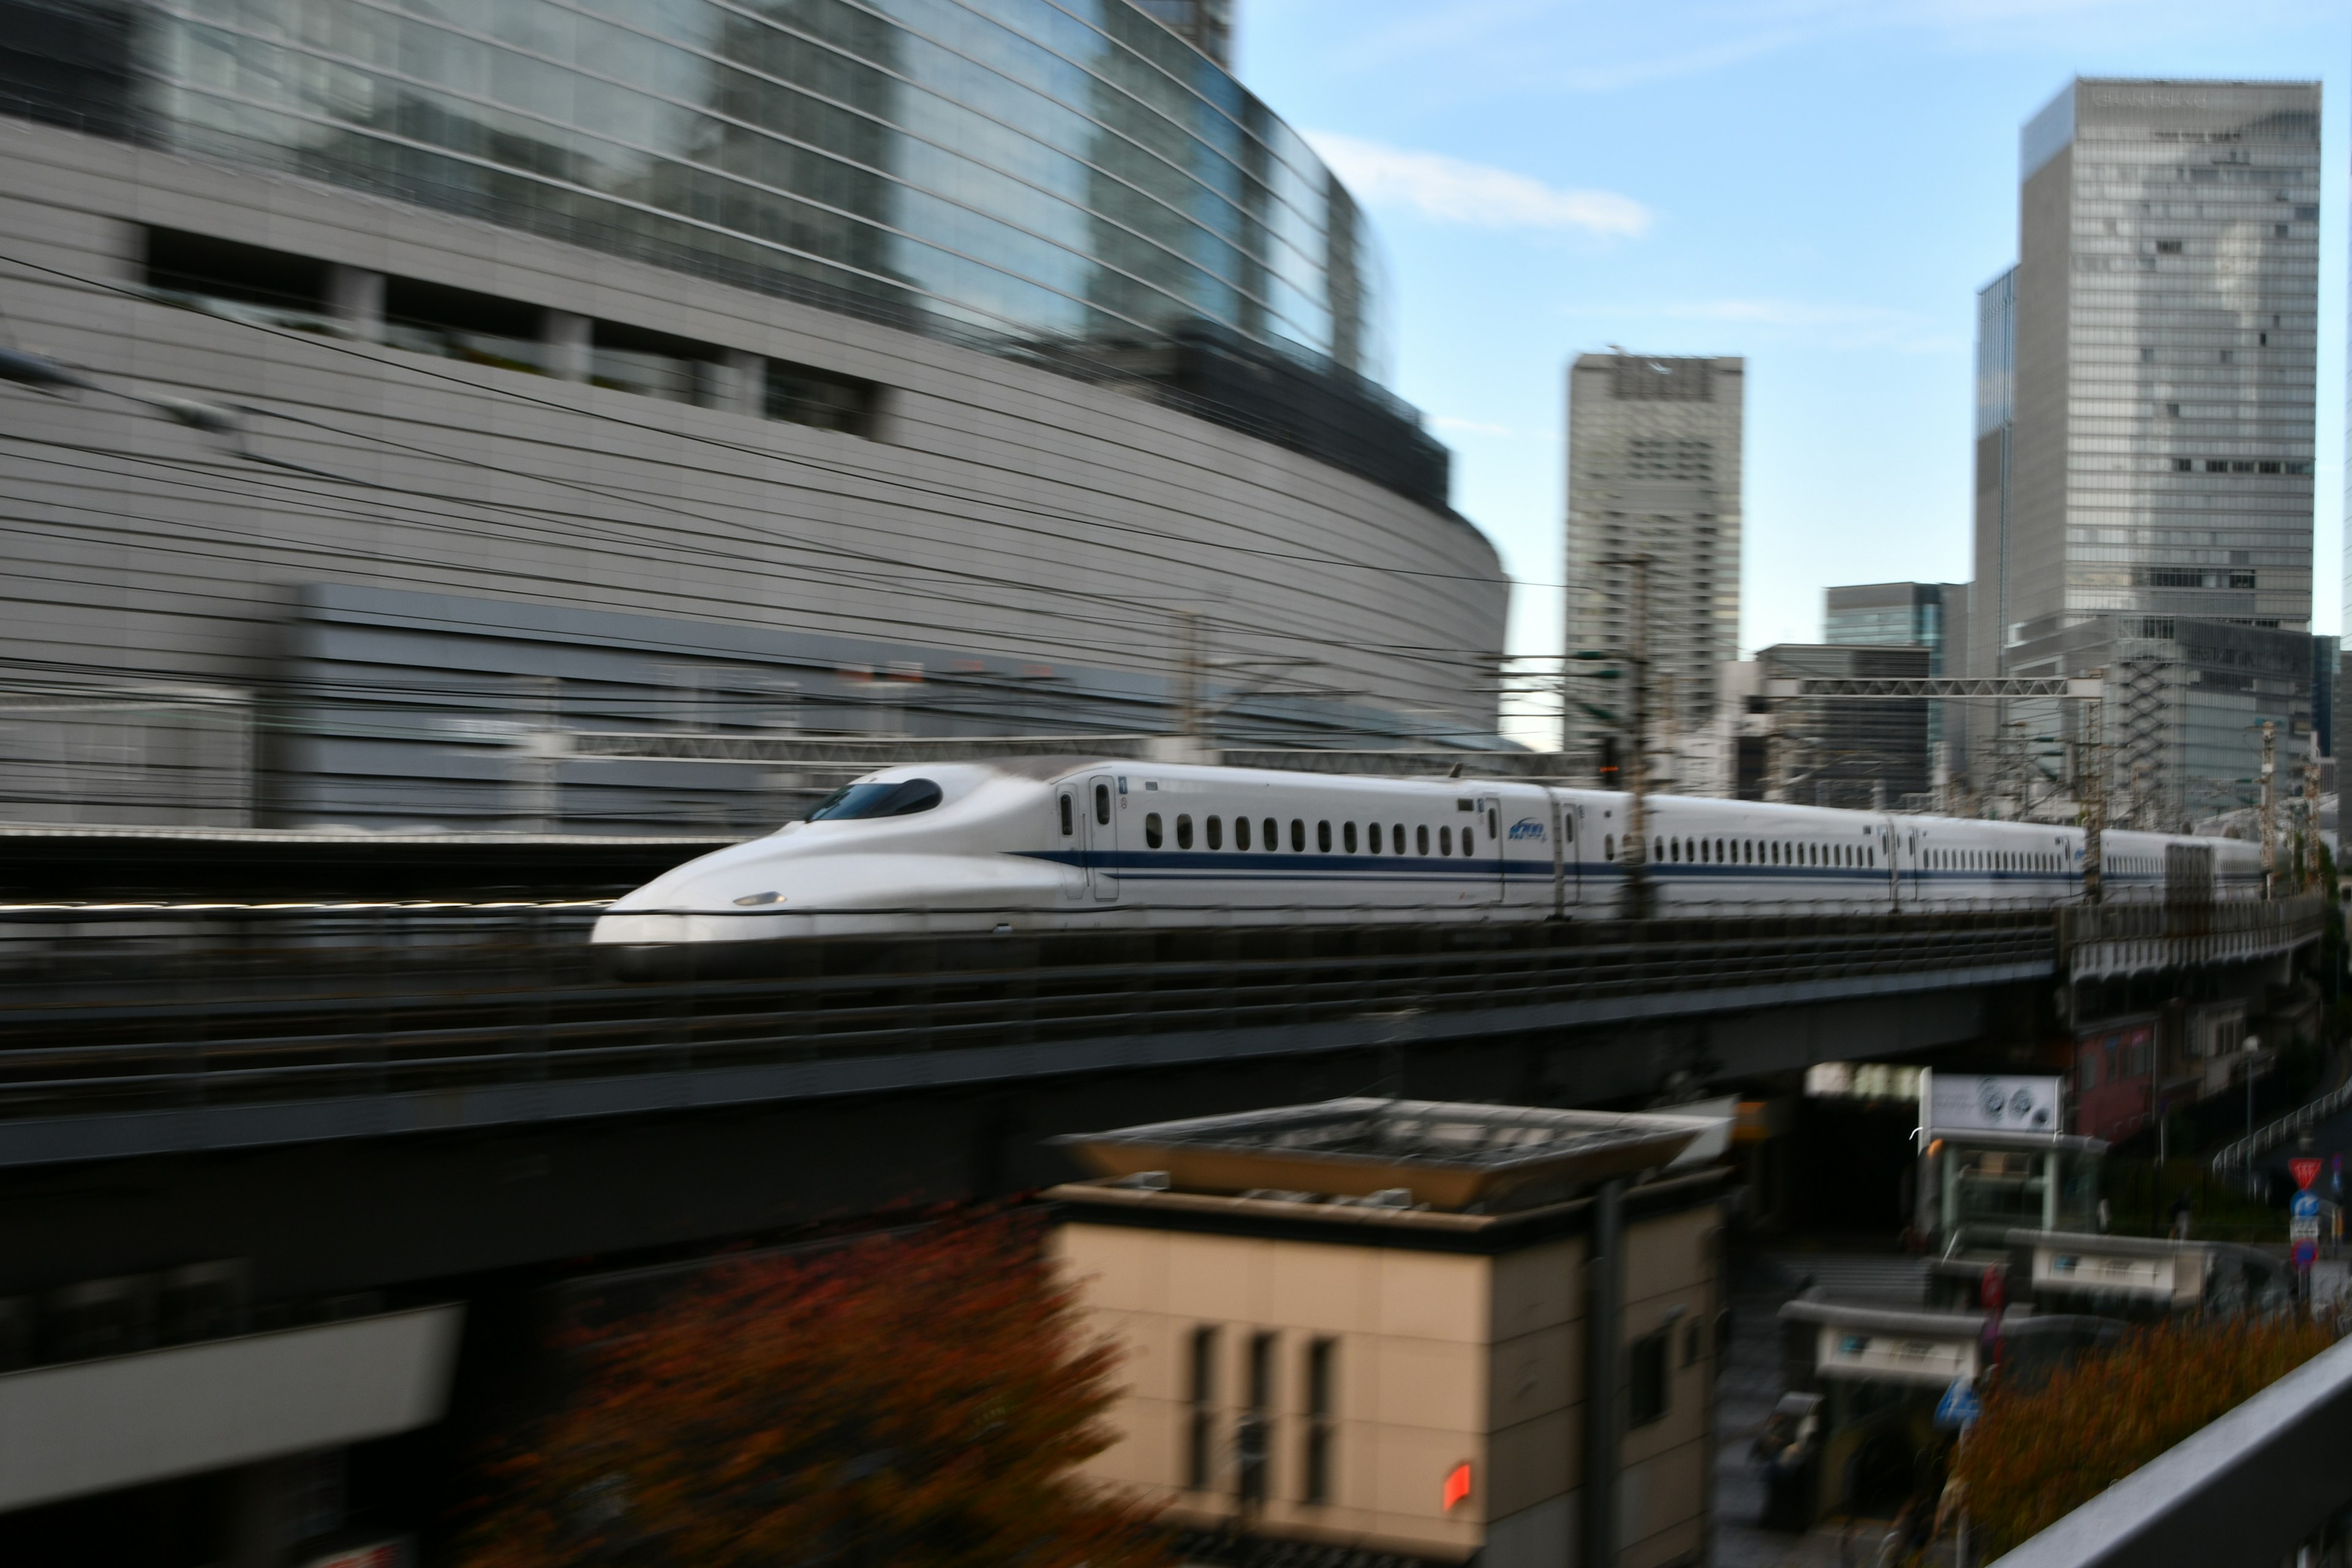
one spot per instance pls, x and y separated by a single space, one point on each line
1014 170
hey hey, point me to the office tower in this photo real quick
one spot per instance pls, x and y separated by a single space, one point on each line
1206 25
1866 753
2146 396
1654 466
1933 615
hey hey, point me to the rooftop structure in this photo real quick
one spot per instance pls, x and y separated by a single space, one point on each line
1406 1151
1426 1331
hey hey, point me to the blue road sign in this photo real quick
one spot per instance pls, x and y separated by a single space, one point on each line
1960 1406
2305 1205
2305 1251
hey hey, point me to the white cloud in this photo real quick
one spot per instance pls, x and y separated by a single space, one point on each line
1450 190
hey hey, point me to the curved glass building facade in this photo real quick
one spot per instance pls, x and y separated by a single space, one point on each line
1047 174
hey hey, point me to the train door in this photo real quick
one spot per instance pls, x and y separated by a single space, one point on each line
1490 823
1102 835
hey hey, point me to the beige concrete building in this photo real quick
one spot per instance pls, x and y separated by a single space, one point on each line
1653 470
1367 1327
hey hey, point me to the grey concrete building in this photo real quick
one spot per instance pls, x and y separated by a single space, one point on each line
703 372
1653 470
2145 376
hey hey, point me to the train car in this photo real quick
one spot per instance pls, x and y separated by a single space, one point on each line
1064 844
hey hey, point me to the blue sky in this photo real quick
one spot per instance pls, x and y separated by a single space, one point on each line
1821 185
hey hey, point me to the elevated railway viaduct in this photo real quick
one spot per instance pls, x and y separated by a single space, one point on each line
242 1121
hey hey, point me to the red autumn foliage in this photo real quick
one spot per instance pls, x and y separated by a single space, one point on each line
917 1400
2038 1454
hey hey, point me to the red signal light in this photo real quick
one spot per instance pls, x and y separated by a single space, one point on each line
1457 1485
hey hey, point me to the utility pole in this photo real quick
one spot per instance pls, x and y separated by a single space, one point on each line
2093 787
1635 725
2269 809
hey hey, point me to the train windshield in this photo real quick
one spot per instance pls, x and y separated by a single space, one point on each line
901 798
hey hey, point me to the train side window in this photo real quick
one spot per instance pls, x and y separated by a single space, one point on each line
1273 833
1420 839
1373 836
1069 818
1241 833
1102 805
1445 841
1151 837
1298 837
1493 825
1183 830
1348 836
1608 844
1469 839
1216 829
1323 837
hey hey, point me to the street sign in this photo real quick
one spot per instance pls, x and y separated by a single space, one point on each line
1960 1406
2303 1230
2305 1168
2304 1204
2305 1251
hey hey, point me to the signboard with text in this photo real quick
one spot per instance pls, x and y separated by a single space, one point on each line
1987 1102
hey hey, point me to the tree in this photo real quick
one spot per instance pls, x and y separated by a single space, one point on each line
2037 1454
921 1399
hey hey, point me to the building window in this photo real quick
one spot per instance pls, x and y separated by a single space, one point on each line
1200 1427
1315 1459
1253 1435
1183 830
1151 835
2184 465
799 395
1215 828
1648 1385
2241 579
2168 247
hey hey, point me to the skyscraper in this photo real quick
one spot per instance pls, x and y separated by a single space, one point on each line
1933 615
1654 470
2146 390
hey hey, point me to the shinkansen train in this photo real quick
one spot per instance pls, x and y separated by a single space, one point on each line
1053 845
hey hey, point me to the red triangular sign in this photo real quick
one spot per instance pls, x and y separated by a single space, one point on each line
2306 1172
